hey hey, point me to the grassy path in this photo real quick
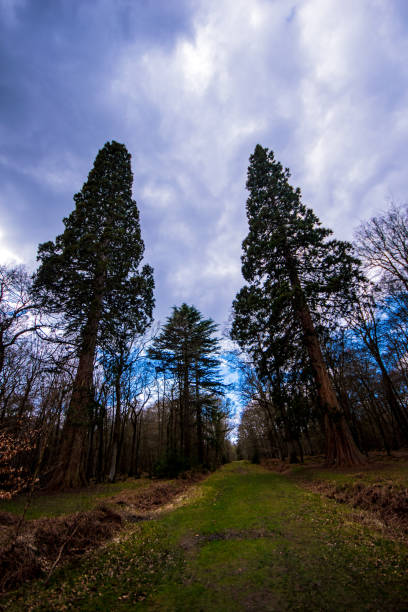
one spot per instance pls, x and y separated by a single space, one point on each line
247 539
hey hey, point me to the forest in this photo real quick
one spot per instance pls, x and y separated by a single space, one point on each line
92 389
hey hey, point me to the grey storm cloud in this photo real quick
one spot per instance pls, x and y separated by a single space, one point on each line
190 87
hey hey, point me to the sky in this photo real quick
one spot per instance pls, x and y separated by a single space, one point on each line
190 87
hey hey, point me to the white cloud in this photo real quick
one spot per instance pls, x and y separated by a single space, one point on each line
158 196
60 173
7 256
214 94
352 126
321 82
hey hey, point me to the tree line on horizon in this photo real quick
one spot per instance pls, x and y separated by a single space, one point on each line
91 390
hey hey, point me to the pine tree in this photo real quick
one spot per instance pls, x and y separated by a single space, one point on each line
300 278
91 276
187 348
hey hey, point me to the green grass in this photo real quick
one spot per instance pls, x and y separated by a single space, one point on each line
56 504
247 539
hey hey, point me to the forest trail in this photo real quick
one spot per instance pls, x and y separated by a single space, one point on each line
244 539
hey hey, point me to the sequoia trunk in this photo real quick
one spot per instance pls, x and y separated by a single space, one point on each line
70 471
341 448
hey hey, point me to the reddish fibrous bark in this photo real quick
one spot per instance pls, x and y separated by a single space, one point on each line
341 449
70 471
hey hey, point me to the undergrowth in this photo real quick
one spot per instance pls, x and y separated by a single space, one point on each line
56 504
246 539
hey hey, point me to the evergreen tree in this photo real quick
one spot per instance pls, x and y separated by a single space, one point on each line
91 276
187 349
301 279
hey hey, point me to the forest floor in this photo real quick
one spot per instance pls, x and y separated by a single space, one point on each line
245 538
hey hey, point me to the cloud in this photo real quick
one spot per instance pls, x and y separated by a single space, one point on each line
353 92
213 96
7 257
191 87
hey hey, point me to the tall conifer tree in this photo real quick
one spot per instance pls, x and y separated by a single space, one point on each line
91 276
187 348
289 263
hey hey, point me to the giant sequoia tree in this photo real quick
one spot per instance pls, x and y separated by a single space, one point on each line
298 280
90 275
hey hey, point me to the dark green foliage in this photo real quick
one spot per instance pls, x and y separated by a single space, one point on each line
170 466
186 353
187 341
280 225
99 252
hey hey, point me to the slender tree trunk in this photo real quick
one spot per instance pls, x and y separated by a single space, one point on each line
182 423
25 397
90 456
374 411
370 339
2 350
100 473
199 420
265 405
393 399
133 446
137 445
300 447
116 434
186 415
355 426
341 449
307 436
55 437
280 404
